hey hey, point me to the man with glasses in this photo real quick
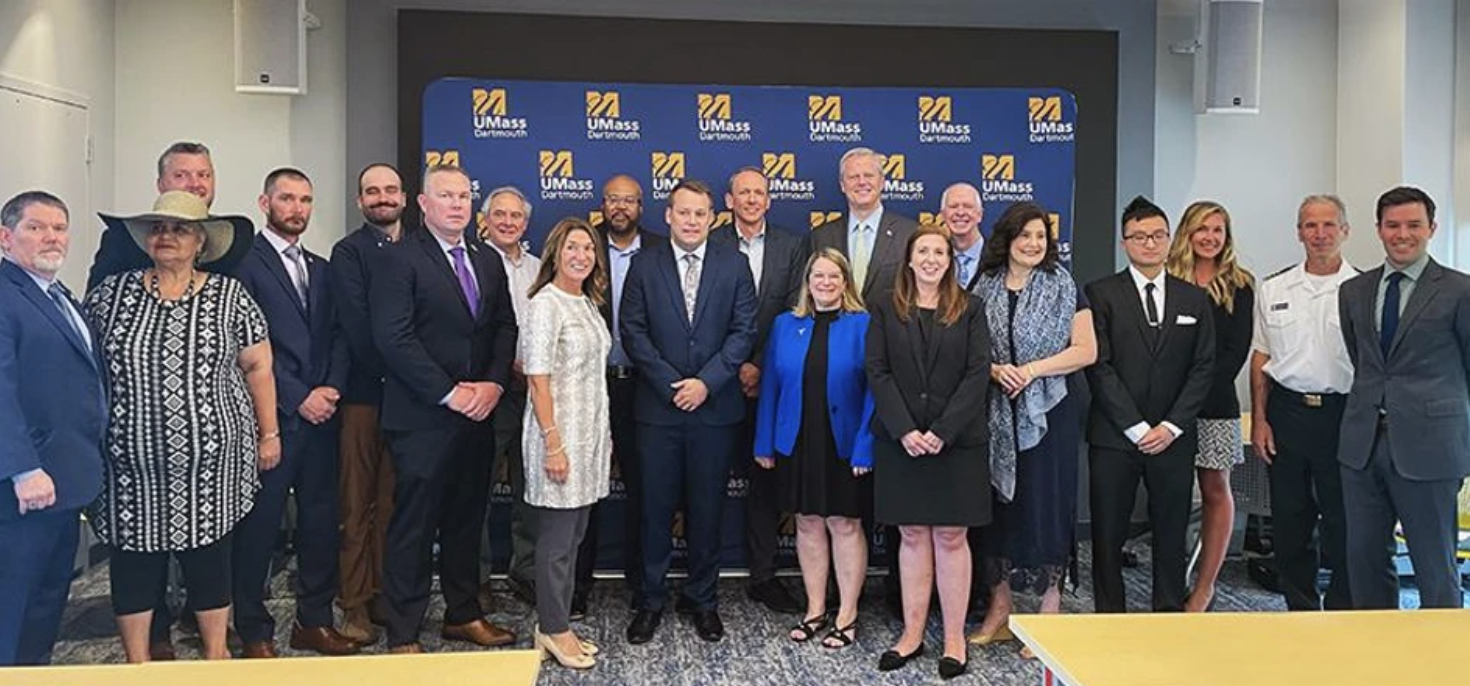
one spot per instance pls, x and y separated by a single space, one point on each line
623 234
1155 365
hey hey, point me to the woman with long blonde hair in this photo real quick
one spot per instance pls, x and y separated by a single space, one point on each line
1203 253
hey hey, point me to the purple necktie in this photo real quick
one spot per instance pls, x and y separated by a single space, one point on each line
466 281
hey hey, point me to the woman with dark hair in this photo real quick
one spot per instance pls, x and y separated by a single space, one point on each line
928 359
812 428
1203 253
1040 334
566 442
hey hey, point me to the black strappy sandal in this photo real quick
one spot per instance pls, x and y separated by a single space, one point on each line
808 628
839 637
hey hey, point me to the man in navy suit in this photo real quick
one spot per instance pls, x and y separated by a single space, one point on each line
309 360
55 414
688 322
443 321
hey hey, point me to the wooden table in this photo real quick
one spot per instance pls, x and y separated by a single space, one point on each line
1248 649
489 668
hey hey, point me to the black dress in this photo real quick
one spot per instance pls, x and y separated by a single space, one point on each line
1034 532
932 490
814 480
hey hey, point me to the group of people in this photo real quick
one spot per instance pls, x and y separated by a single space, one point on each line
881 373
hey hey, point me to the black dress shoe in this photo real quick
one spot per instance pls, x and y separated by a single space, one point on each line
773 594
708 625
578 610
641 629
891 660
950 668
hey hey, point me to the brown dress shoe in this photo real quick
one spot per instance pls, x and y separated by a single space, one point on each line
162 651
479 632
322 639
358 627
257 650
406 649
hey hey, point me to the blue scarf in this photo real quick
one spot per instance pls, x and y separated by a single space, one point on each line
1043 328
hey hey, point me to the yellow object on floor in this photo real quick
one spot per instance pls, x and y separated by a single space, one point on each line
1248 649
497 668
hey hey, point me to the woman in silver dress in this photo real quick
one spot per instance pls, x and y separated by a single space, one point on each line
567 438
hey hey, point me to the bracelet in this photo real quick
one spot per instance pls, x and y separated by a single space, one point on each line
1030 370
267 436
547 431
558 451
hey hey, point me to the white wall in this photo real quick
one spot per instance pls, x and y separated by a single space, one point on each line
68 44
1258 166
175 71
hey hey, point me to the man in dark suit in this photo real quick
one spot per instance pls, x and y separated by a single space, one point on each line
365 485
442 320
871 238
961 210
54 403
309 362
1155 361
777 261
1405 439
873 241
183 166
688 321
624 235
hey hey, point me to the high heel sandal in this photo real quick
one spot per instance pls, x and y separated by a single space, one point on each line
839 637
808 628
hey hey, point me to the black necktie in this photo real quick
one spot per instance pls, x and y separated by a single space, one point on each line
1390 322
1149 307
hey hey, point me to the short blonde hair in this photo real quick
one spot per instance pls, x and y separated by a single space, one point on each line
851 301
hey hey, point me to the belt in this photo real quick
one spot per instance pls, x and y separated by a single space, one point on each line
1312 400
617 371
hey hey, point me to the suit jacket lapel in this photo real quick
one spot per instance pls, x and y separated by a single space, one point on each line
1424 291
920 350
276 267
439 262
769 267
481 260
49 310
1171 313
706 283
664 264
1366 304
1134 310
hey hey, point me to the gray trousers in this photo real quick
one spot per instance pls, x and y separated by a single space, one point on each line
559 533
1375 498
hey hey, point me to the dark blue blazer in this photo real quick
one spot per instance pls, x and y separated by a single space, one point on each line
306 351
849 402
423 329
52 396
666 347
351 269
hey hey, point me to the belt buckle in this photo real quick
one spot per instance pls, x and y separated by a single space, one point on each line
1312 399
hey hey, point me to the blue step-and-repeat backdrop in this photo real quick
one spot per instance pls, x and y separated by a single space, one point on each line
558 141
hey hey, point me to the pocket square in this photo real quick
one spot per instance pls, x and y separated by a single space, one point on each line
1186 320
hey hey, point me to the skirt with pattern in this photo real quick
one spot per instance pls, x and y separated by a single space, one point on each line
1220 444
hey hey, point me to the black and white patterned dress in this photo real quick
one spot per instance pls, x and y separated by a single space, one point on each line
181 438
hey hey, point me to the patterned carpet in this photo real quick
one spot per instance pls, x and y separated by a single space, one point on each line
755 651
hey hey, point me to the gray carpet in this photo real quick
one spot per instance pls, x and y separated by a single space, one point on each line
755 651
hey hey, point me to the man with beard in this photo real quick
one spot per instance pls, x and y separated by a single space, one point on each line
366 479
309 363
777 260
623 233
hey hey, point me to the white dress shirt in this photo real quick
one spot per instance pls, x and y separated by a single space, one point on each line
1136 432
1298 326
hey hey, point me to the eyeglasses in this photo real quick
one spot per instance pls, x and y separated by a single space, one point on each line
611 200
161 228
1146 238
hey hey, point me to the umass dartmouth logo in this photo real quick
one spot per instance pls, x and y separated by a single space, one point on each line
896 184
825 123
715 121
998 182
936 121
1046 121
559 180
780 168
448 158
667 171
490 119
605 120
819 218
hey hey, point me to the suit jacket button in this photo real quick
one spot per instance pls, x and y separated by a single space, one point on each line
923 396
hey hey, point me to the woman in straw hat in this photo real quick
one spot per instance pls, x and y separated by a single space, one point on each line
193 417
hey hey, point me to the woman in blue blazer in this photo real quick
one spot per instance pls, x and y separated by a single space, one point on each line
812 428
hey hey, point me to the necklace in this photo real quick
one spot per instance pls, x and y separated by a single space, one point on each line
153 286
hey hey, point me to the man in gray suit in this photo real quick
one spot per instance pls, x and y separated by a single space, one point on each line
870 238
1405 437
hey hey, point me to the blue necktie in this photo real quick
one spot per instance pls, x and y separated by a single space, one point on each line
1390 323
466 281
